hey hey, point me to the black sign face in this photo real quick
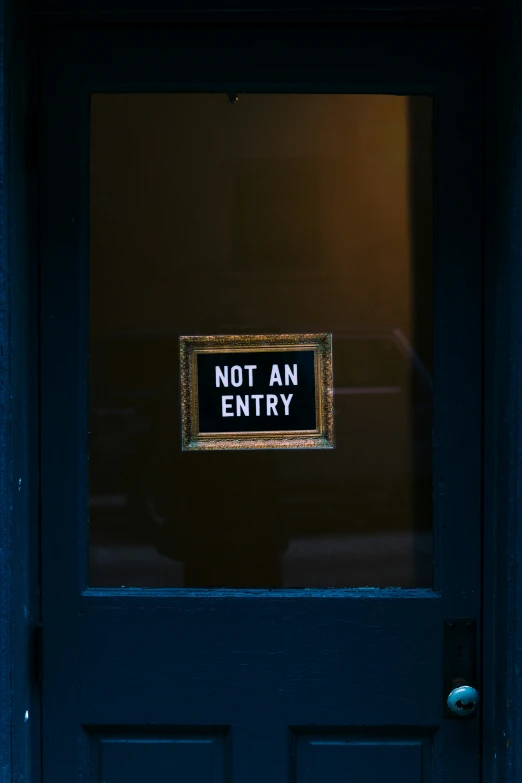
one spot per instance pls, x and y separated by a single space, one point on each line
256 391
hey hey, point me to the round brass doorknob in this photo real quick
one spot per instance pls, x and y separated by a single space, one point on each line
463 701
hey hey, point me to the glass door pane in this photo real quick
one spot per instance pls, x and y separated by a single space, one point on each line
261 213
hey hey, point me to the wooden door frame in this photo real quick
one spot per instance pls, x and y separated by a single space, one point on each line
19 456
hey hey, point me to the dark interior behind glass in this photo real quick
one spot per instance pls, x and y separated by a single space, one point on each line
279 213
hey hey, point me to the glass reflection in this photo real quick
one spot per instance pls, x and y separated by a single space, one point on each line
279 213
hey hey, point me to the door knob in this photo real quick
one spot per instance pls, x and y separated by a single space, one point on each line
463 701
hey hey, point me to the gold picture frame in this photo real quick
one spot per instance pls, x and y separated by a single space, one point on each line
320 438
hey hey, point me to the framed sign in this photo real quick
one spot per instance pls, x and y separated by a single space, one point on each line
257 392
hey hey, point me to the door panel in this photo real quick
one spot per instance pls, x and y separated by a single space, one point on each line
176 755
370 758
237 684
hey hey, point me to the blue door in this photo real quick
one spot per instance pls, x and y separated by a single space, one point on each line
261 615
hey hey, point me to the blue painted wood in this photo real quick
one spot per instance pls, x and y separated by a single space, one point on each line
502 591
344 757
23 309
5 483
258 666
502 696
19 589
181 756
502 555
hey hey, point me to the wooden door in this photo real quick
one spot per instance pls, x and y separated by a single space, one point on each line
258 616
